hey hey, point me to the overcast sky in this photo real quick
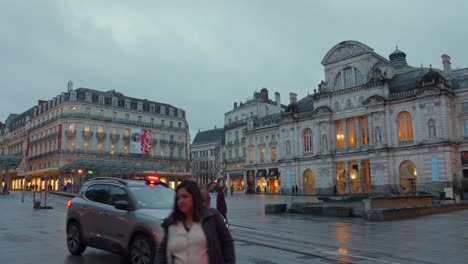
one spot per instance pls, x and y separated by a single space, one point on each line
202 56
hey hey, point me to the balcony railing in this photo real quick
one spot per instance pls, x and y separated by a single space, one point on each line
107 154
87 135
114 137
70 133
101 136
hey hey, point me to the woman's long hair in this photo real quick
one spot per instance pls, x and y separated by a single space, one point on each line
192 188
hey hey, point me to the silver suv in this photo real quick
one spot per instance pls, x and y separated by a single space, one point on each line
119 216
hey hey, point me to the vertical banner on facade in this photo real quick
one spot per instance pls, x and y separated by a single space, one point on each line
140 141
146 136
59 137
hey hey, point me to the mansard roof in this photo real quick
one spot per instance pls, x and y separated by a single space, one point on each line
460 78
267 120
208 136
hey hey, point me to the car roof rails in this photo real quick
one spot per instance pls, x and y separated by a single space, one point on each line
109 178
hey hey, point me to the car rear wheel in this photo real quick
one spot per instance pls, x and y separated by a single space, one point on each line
141 250
75 243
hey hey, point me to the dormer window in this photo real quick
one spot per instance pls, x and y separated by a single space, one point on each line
348 77
101 99
88 97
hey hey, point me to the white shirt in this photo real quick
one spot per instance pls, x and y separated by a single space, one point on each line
186 247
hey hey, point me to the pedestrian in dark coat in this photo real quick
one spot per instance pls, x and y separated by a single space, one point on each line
221 203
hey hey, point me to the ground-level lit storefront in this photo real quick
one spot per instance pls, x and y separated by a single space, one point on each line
268 180
236 179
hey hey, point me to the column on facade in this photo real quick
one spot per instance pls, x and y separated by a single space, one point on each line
345 133
317 146
370 129
357 128
332 133
386 126
348 190
361 187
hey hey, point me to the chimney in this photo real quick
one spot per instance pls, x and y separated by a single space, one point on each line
277 99
235 105
446 63
292 98
264 94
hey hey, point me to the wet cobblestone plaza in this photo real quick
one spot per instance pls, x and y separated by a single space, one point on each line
30 235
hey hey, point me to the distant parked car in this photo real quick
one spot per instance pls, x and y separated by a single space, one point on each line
119 216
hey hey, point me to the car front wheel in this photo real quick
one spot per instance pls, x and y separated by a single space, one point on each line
141 250
75 243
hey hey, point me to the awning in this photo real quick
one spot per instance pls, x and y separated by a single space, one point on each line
110 166
236 174
272 173
43 172
261 173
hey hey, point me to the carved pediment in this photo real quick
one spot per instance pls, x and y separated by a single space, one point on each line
428 91
323 110
345 50
374 100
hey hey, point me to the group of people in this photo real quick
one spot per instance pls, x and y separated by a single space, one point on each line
194 232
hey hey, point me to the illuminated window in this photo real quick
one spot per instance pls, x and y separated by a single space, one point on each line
405 126
86 128
71 127
99 147
262 154
364 130
86 146
251 155
339 134
114 131
126 149
273 154
351 131
112 149
127 132
307 139
71 145
100 129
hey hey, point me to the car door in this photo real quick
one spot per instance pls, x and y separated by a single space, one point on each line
119 222
98 196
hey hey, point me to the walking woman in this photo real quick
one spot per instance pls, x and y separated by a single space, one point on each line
194 233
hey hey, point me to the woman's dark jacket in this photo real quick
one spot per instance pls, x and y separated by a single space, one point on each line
218 239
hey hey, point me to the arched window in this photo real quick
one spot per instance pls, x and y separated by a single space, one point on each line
405 126
307 139
348 77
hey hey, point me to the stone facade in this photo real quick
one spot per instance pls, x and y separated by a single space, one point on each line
375 125
85 125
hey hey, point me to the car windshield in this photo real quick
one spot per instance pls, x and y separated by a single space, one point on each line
153 197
